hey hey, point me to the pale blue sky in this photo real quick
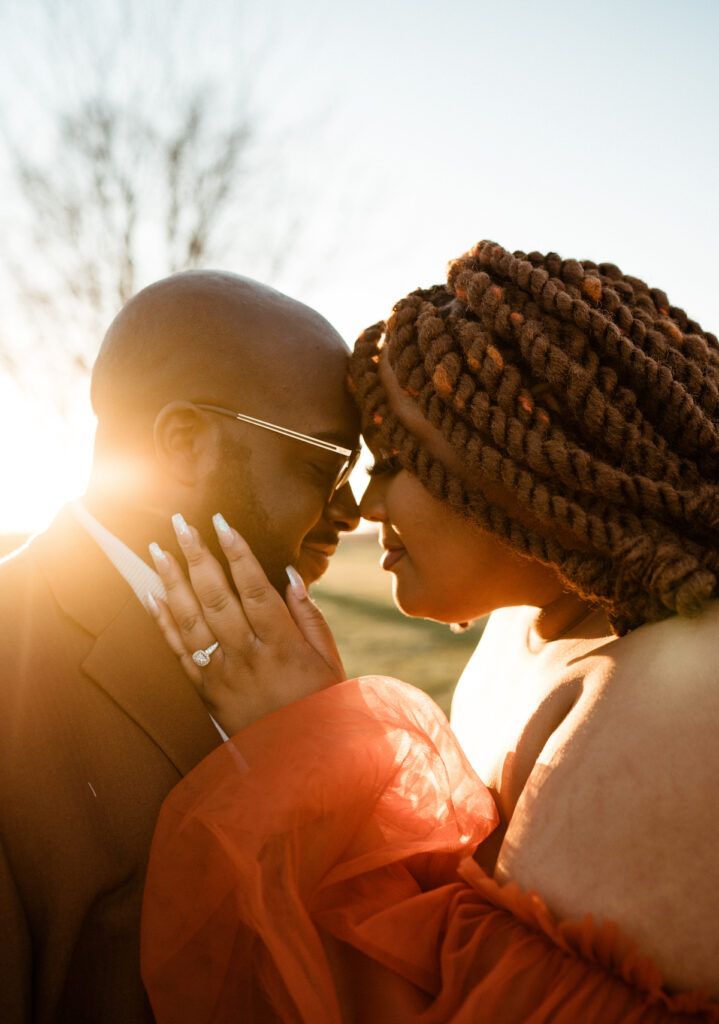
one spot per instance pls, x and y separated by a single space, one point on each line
584 128
420 128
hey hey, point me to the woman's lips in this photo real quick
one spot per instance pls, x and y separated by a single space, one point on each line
391 557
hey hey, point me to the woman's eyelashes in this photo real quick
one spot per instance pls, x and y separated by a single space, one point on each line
387 464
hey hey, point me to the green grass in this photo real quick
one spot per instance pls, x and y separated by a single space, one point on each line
373 637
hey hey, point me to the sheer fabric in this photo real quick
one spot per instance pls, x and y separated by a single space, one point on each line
318 868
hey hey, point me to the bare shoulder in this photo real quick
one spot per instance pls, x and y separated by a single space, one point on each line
618 817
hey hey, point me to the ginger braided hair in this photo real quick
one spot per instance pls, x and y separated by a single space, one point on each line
587 397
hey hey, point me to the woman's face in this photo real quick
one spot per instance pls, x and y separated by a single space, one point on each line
444 566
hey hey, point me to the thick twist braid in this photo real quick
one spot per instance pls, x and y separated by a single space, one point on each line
656 368
588 397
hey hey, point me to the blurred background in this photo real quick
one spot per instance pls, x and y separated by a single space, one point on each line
342 152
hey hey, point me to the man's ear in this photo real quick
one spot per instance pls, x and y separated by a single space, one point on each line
185 441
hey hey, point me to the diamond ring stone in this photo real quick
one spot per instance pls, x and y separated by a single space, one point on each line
202 658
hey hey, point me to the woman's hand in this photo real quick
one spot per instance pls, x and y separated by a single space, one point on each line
270 653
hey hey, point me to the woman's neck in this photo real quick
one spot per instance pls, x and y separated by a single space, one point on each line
561 616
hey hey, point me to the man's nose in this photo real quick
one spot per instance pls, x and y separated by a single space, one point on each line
343 511
371 505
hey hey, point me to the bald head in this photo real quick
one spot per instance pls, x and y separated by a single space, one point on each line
212 339
207 336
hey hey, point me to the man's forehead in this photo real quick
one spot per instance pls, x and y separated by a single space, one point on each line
318 404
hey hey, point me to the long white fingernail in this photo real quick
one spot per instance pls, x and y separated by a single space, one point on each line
296 582
151 603
182 530
159 557
222 529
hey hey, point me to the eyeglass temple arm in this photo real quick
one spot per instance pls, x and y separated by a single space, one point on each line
327 445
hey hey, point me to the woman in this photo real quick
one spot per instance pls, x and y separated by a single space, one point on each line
546 445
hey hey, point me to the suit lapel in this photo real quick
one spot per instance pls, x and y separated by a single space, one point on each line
129 659
133 664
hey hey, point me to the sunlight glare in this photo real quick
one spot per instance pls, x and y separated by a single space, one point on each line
45 462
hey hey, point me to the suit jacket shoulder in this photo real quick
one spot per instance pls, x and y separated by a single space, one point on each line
98 724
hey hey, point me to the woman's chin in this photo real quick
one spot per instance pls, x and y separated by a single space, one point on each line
405 600
418 605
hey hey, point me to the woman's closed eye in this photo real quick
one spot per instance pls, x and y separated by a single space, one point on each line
386 465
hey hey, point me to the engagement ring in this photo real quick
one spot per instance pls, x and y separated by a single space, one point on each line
202 658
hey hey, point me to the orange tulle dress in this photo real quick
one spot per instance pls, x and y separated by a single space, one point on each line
318 868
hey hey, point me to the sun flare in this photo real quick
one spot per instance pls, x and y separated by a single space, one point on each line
45 460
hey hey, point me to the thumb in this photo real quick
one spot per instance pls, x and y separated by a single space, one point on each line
311 622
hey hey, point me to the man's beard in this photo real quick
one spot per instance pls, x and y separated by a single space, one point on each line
231 491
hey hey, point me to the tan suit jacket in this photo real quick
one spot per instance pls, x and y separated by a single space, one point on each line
97 724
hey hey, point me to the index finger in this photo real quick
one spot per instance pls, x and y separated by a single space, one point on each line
265 610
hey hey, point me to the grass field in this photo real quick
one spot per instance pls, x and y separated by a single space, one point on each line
373 637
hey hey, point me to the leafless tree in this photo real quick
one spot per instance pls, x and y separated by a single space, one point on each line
151 163
124 194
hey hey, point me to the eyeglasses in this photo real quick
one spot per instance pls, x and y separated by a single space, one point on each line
351 455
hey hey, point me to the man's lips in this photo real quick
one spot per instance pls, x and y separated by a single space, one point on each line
322 549
318 553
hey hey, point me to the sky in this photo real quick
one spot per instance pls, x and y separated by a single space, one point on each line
412 130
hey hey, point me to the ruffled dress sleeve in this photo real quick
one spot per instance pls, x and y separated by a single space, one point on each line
317 869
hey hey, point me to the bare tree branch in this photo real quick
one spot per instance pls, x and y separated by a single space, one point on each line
133 187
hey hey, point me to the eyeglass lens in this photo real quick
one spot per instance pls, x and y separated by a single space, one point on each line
345 473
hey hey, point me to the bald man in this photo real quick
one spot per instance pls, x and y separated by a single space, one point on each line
202 383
